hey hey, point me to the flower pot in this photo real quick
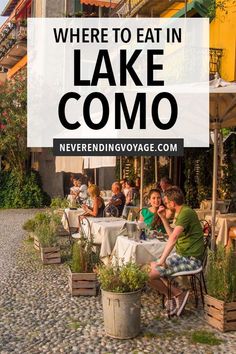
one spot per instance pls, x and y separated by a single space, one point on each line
121 313
82 283
220 314
50 255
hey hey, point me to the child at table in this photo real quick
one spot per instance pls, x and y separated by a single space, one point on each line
74 192
149 215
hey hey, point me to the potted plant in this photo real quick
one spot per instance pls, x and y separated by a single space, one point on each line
59 203
82 278
220 302
121 298
31 224
46 232
58 206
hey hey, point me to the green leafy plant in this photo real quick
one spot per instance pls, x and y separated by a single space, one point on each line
221 274
13 118
59 203
83 258
121 279
46 234
29 225
21 191
46 228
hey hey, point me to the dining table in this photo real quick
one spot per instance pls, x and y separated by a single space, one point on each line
72 216
141 252
202 213
105 231
223 223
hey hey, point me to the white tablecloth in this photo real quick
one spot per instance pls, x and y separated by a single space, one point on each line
223 223
72 217
202 213
142 252
105 232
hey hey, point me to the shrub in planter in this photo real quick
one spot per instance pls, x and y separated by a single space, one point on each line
31 224
220 303
121 298
82 279
59 203
46 232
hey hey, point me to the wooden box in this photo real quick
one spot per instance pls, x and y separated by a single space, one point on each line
82 283
51 255
220 314
36 243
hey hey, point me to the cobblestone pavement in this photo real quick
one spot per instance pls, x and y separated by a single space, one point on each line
38 315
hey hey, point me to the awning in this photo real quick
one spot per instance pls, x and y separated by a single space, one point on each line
99 161
102 3
73 164
199 6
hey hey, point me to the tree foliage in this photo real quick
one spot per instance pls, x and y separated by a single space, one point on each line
13 123
223 5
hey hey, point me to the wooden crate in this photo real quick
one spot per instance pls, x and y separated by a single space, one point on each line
220 314
36 243
51 255
82 283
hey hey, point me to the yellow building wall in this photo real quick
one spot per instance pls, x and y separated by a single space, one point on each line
223 35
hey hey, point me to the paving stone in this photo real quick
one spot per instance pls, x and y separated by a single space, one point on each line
38 315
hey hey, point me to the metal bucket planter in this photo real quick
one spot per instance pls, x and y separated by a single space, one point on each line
121 313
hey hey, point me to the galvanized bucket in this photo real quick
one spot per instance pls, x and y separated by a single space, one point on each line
121 313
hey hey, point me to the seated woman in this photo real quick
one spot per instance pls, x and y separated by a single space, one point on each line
98 205
149 215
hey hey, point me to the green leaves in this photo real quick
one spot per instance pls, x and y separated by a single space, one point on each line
20 191
46 225
13 113
221 274
83 258
121 279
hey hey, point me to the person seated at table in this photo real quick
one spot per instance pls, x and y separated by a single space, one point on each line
124 188
150 215
165 183
98 205
82 194
187 238
137 183
118 198
131 198
74 191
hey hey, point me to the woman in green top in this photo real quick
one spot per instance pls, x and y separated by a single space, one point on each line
149 215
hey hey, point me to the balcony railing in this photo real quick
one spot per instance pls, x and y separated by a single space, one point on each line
130 8
12 44
215 61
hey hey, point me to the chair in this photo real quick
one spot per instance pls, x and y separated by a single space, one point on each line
65 223
111 210
194 275
84 229
223 206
